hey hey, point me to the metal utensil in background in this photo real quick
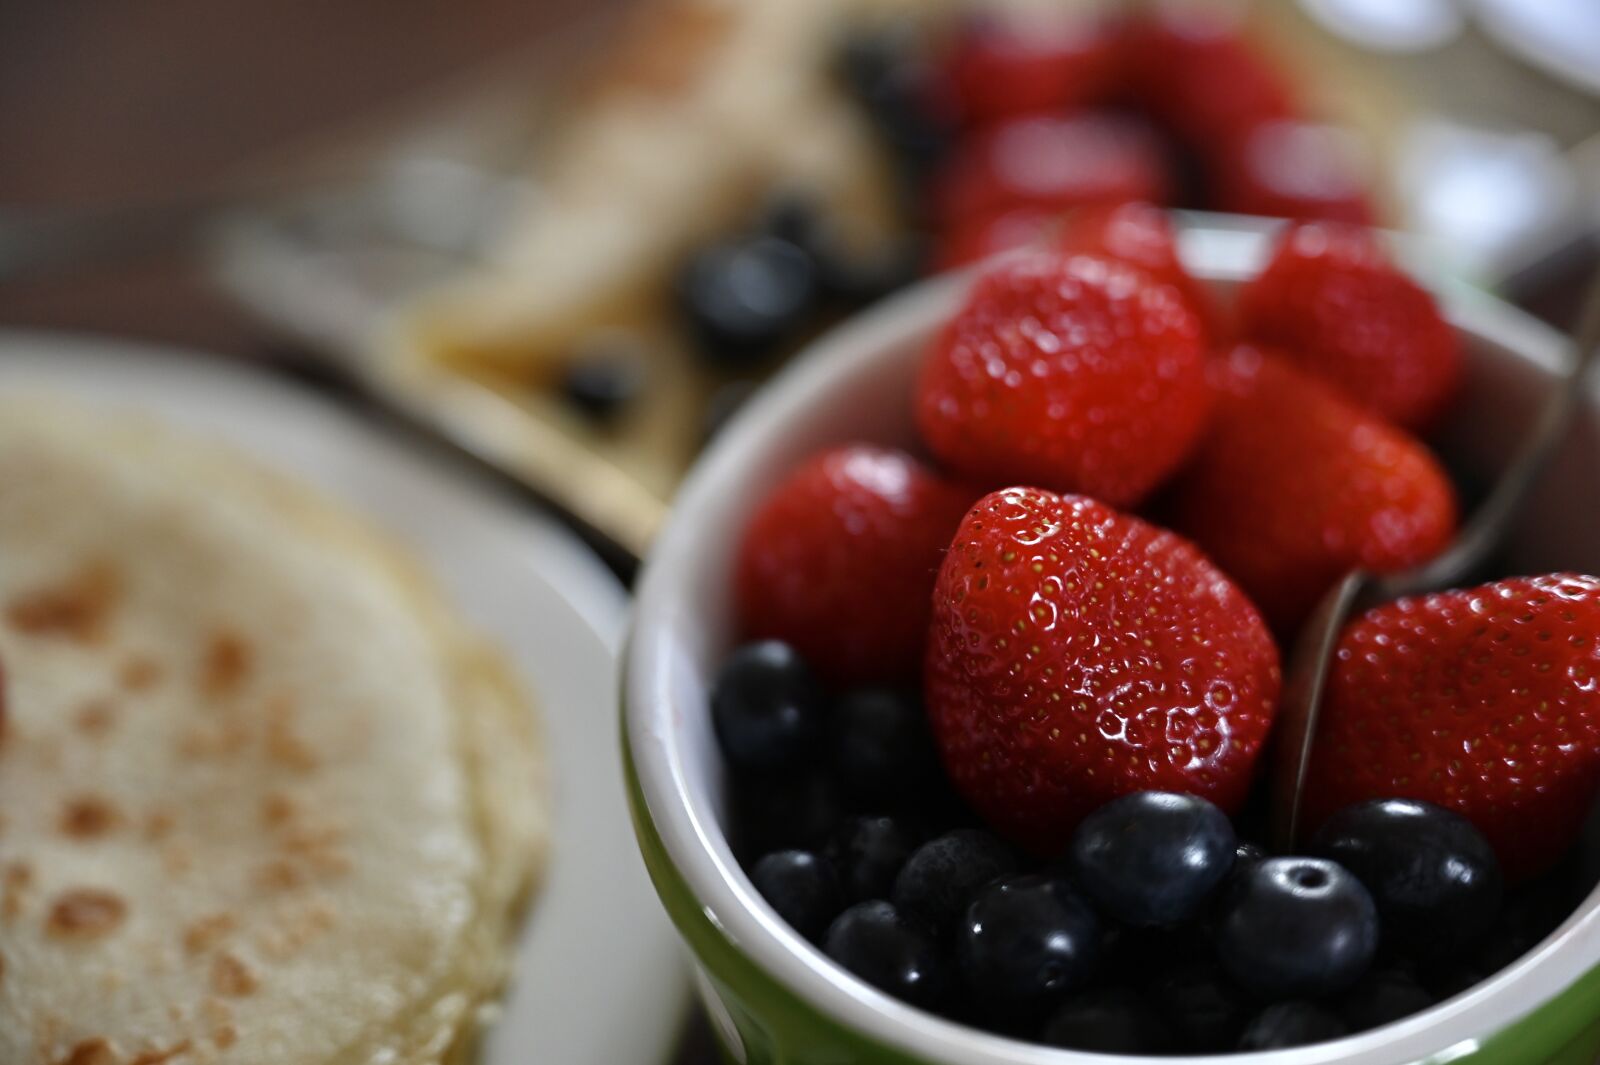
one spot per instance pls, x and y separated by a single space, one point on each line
1305 680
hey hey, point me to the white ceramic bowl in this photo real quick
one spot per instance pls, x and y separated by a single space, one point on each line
776 997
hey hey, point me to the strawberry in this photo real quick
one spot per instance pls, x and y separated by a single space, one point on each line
1070 372
1141 235
1293 486
1191 68
1332 300
1000 67
1078 654
1051 162
978 238
1288 169
1485 701
839 561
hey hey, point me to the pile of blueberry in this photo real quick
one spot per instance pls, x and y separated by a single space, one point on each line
1160 930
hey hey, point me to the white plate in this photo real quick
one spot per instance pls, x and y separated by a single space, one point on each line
1561 36
600 979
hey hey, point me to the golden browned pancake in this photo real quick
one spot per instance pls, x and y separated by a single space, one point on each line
265 800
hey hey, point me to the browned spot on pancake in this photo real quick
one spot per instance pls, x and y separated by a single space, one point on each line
96 1051
226 664
215 739
207 932
158 824
88 817
95 717
284 745
231 977
277 810
224 1036
293 929
218 1016
161 1057
176 858
15 881
86 913
76 609
279 874
138 674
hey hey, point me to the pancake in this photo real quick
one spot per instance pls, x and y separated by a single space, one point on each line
264 800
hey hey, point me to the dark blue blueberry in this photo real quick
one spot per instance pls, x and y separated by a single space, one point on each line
1434 877
1531 913
887 70
874 941
1207 1010
1247 854
604 378
1024 943
778 813
1381 997
1110 1020
1133 953
868 853
1589 851
744 298
880 746
1297 928
943 874
766 709
801 887
1291 1024
1153 858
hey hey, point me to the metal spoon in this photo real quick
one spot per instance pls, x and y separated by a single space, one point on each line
1306 678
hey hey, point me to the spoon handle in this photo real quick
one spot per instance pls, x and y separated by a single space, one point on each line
1489 524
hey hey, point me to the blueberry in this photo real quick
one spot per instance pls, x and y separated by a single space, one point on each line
878 944
1382 997
743 298
801 887
1434 877
880 746
1024 943
1246 855
780 813
603 379
1531 913
1111 1020
1291 1024
941 876
1133 953
868 853
886 69
1153 858
1297 927
766 708
1589 850
1207 1010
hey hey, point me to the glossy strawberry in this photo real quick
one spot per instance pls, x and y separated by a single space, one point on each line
978 238
999 67
1078 654
1073 373
1484 701
1290 169
1049 161
1192 68
1139 234
1331 299
839 561
1293 486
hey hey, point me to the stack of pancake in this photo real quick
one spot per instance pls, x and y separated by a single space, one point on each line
263 798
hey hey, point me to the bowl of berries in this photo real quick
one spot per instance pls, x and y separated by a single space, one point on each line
951 692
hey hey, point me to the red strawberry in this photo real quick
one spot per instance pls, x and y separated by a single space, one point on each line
1001 67
1141 235
839 561
1332 300
1051 162
1191 67
1293 486
1070 372
978 238
1078 654
1486 701
1288 169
